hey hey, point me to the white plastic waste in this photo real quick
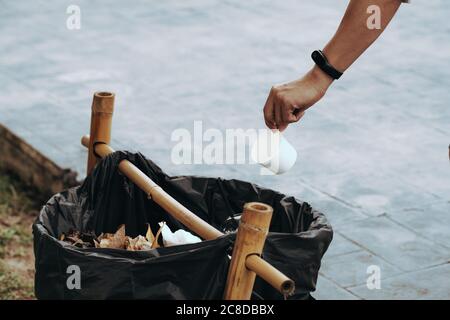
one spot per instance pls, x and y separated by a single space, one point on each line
178 237
273 152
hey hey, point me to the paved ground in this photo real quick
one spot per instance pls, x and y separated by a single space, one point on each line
373 153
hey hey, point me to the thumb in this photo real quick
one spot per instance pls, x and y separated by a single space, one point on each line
297 113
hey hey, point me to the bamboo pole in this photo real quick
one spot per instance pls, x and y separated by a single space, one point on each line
101 120
173 207
270 274
253 262
249 244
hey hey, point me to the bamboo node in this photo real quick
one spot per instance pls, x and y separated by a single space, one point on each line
253 227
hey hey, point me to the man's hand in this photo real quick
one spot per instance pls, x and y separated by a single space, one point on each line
288 102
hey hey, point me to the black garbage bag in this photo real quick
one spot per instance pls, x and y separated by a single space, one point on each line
298 238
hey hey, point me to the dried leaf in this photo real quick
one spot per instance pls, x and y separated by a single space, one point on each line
142 243
105 243
114 241
104 235
155 243
117 240
149 235
131 244
120 231
138 243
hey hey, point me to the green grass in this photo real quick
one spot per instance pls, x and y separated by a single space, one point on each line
14 286
18 209
11 200
6 235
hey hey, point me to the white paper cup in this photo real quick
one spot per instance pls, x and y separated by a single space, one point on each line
273 151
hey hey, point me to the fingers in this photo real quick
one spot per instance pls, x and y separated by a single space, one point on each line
283 126
279 112
297 113
269 112
289 114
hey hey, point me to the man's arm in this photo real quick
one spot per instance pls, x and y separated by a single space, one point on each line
288 102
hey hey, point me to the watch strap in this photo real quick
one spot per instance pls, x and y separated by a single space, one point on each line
322 62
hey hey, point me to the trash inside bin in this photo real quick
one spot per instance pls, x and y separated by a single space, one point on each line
298 238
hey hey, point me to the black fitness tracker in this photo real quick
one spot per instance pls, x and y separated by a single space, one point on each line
322 62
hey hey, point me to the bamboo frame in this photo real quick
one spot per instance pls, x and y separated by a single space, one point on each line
247 257
162 198
251 235
101 121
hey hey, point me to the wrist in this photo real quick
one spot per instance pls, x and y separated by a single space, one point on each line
321 80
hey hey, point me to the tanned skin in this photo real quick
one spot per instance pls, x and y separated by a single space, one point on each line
288 102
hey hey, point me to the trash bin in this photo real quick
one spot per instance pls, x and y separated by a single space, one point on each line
298 238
